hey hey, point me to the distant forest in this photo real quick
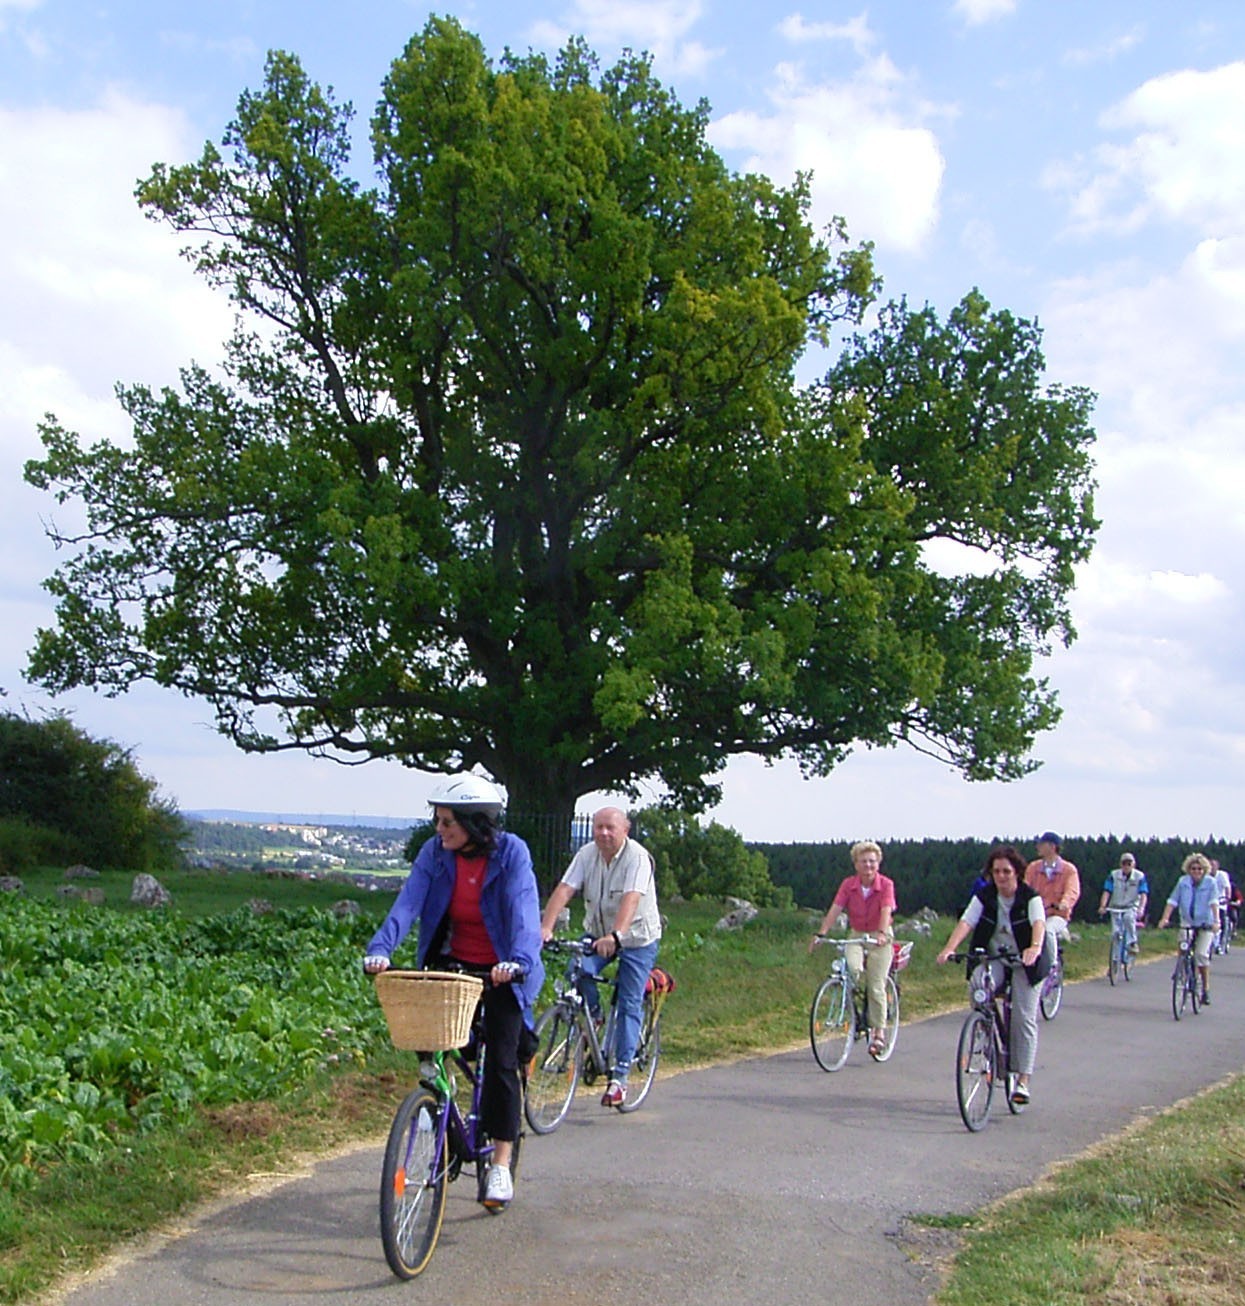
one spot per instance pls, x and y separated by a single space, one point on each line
939 873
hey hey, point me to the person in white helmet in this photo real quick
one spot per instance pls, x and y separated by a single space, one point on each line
473 892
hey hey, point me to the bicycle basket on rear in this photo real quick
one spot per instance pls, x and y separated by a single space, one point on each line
901 955
428 1010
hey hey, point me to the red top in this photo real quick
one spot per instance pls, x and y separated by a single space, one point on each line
469 940
864 909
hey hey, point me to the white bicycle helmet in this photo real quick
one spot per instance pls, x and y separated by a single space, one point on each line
467 793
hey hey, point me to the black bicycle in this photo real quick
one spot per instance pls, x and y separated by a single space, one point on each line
1185 991
982 1058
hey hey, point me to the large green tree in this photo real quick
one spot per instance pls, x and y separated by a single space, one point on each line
506 465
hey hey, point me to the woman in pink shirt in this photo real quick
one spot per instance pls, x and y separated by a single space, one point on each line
868 898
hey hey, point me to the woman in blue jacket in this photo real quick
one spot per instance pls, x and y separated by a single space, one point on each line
473 892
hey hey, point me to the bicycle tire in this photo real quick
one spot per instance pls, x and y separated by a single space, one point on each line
975 1071
1052 997
1180 989
412 1185
647 1055
1191 982
553 1072
1126 962
832 1023
890 1031
1113 961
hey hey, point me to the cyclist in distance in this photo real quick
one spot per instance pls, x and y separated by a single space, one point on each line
472 890
1126 887
1224 881
1008 916
1196 897
868 898
1057 882
618 880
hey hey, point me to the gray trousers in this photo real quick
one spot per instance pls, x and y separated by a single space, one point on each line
1022 1050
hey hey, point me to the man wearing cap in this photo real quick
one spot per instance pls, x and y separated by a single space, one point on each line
1128 888
1057 882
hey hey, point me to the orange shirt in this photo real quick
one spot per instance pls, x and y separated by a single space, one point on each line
1058 891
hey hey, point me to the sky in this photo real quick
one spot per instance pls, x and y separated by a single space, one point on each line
1079 163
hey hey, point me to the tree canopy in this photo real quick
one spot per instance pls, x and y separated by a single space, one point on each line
506 465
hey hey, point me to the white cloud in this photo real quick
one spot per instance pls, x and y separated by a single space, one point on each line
659 27
975 12
1083 56
855 31
1182 163
872 161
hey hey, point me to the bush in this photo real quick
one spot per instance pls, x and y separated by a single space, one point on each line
25 845
89 792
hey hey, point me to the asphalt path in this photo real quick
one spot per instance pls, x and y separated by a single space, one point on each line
765 1179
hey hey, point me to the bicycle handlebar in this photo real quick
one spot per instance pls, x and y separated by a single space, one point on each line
871 939
1012 959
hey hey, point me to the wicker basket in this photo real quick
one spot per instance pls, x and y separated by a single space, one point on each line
428 1010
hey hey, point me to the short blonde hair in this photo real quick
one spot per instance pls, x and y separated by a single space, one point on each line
1195 859
865 846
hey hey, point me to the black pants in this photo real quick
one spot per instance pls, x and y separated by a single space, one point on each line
502 1098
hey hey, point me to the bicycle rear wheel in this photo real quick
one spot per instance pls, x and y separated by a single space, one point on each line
647 1054
890 1031
832 1023
974 1071
412 1185
1052 992
553 1073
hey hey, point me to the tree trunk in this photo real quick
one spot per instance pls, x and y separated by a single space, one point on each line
539 811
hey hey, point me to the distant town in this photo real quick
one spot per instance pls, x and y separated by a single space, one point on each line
260 844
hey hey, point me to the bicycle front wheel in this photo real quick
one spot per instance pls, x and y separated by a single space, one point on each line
412 1185
974 1071
1126 961
1180 989
554 1071
1113 960
832 1023
1052 992
647 1054
890 1031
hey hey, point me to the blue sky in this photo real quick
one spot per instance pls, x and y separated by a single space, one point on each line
1079 163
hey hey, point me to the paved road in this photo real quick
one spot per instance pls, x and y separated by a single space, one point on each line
763 1179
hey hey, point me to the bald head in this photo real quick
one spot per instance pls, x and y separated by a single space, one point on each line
609 831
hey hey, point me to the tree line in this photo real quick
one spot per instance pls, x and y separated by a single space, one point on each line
939 873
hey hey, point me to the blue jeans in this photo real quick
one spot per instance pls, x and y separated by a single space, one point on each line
634 965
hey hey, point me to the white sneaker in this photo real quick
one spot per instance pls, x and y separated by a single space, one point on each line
498 1187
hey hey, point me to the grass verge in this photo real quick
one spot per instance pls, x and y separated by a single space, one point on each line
1152 1217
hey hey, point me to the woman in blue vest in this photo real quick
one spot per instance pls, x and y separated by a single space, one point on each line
1007 916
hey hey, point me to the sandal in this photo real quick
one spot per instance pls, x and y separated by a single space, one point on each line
876 1044
1020 1095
